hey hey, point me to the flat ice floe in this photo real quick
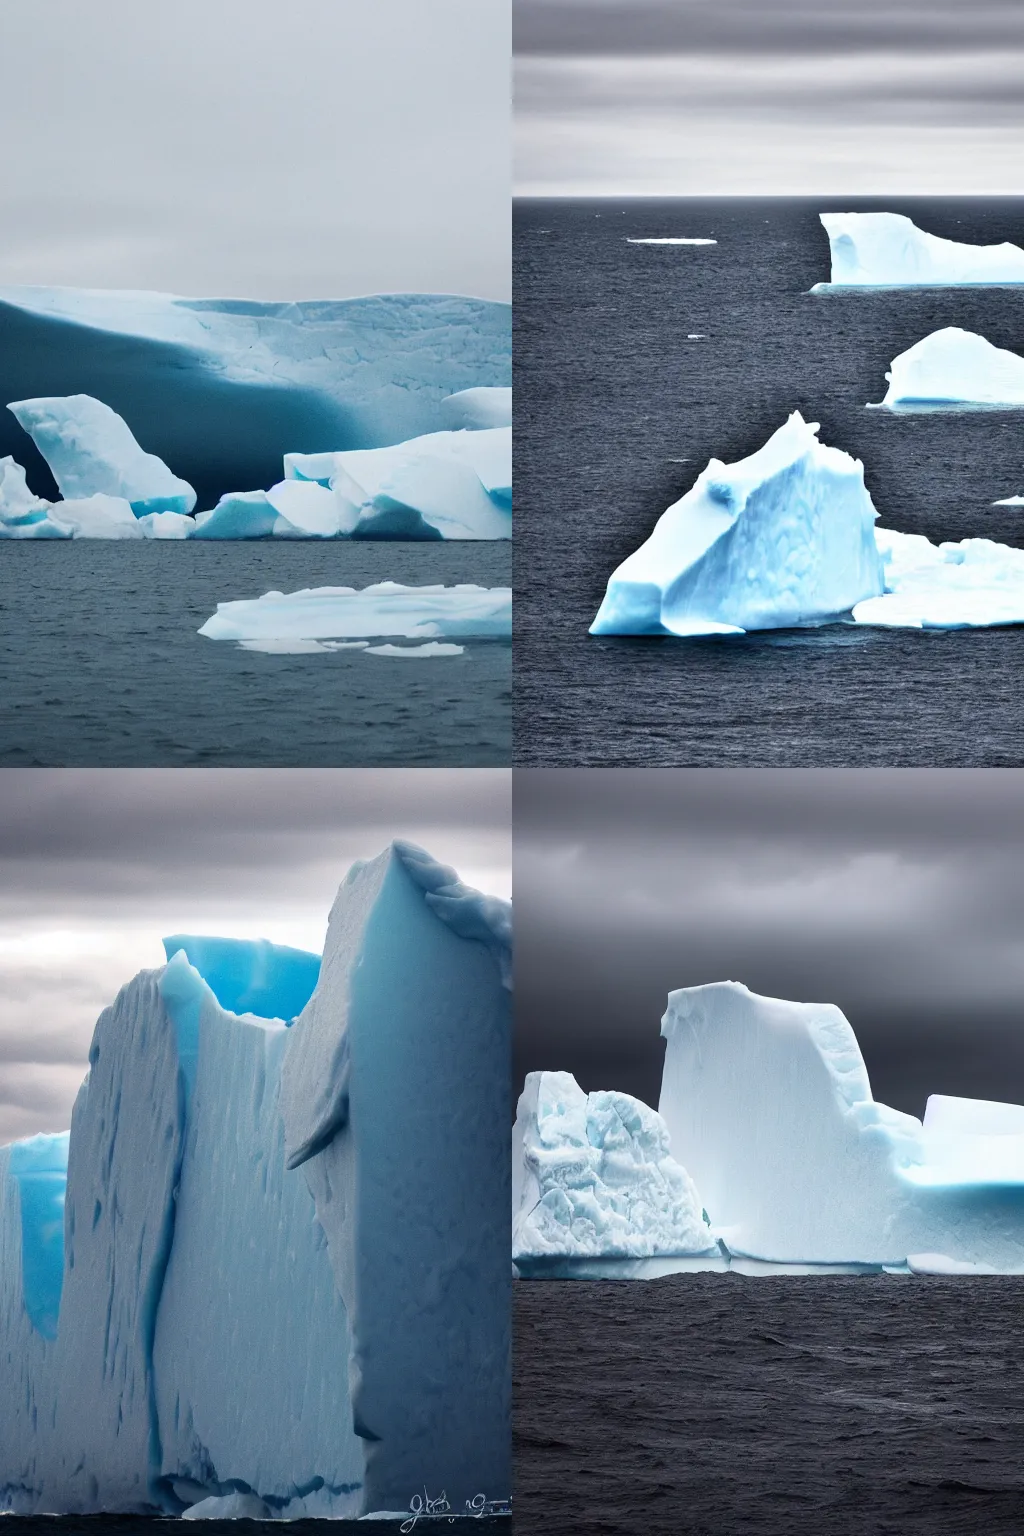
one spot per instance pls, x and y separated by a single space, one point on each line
887 250
973 584
386 609
955 368
670 240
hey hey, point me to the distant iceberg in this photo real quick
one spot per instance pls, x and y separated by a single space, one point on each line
223 388
1010 501
887 250
592 1178
268 1274
954 368
386 608
783 537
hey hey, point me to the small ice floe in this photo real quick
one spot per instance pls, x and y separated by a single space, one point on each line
431 648
670 240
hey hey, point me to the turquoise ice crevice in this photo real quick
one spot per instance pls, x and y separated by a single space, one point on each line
40 1166
271 981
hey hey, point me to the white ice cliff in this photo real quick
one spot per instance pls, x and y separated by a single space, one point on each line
887 250
386 608
783 537
592 1178
92 451
769 1107
274 1285
262 379
953 368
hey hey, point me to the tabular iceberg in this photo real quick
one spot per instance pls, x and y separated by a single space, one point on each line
262 378
887 250
592 1178
769 1106
953 368
386 608
783 537
274 1286
91 451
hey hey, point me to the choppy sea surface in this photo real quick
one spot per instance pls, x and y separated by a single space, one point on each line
101 664
634 365
715 1405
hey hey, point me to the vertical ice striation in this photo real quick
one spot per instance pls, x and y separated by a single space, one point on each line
231 1331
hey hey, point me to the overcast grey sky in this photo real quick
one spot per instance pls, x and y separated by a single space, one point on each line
314 149
97 865
817 97
897 894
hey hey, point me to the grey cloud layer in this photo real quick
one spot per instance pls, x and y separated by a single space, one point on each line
898 896
316 149
96 866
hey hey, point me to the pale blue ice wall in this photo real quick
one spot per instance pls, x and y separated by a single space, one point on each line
251 975
264 379
409 1163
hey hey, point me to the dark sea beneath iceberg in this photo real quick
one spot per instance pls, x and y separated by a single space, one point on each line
715 1405
101 664
636 364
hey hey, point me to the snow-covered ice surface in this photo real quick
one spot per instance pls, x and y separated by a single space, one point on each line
91 450
783 537
208 1324
972 584
263 378
477 409
887 250
385 609
593 1178
954 368
769 1107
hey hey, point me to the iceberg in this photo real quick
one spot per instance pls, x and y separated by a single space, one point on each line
954 368
477 409
17 503
383 609
262 378
91 450
445 484
972 584
769 1106
592 1178
256 1276
783 537
887 250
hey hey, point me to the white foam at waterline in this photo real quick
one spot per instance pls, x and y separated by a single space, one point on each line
432 648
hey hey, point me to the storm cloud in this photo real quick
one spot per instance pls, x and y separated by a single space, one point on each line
898 895
97 865
680 97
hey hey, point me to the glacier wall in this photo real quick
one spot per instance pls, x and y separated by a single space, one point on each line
322 1338
265 379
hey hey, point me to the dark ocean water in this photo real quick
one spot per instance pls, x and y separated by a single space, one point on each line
101 665
611 393
714 1405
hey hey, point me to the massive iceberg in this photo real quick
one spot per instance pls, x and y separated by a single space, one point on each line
260 379
281 1280
386 608
592 1179
952 368
769 1107
783 537
91 450
887 250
